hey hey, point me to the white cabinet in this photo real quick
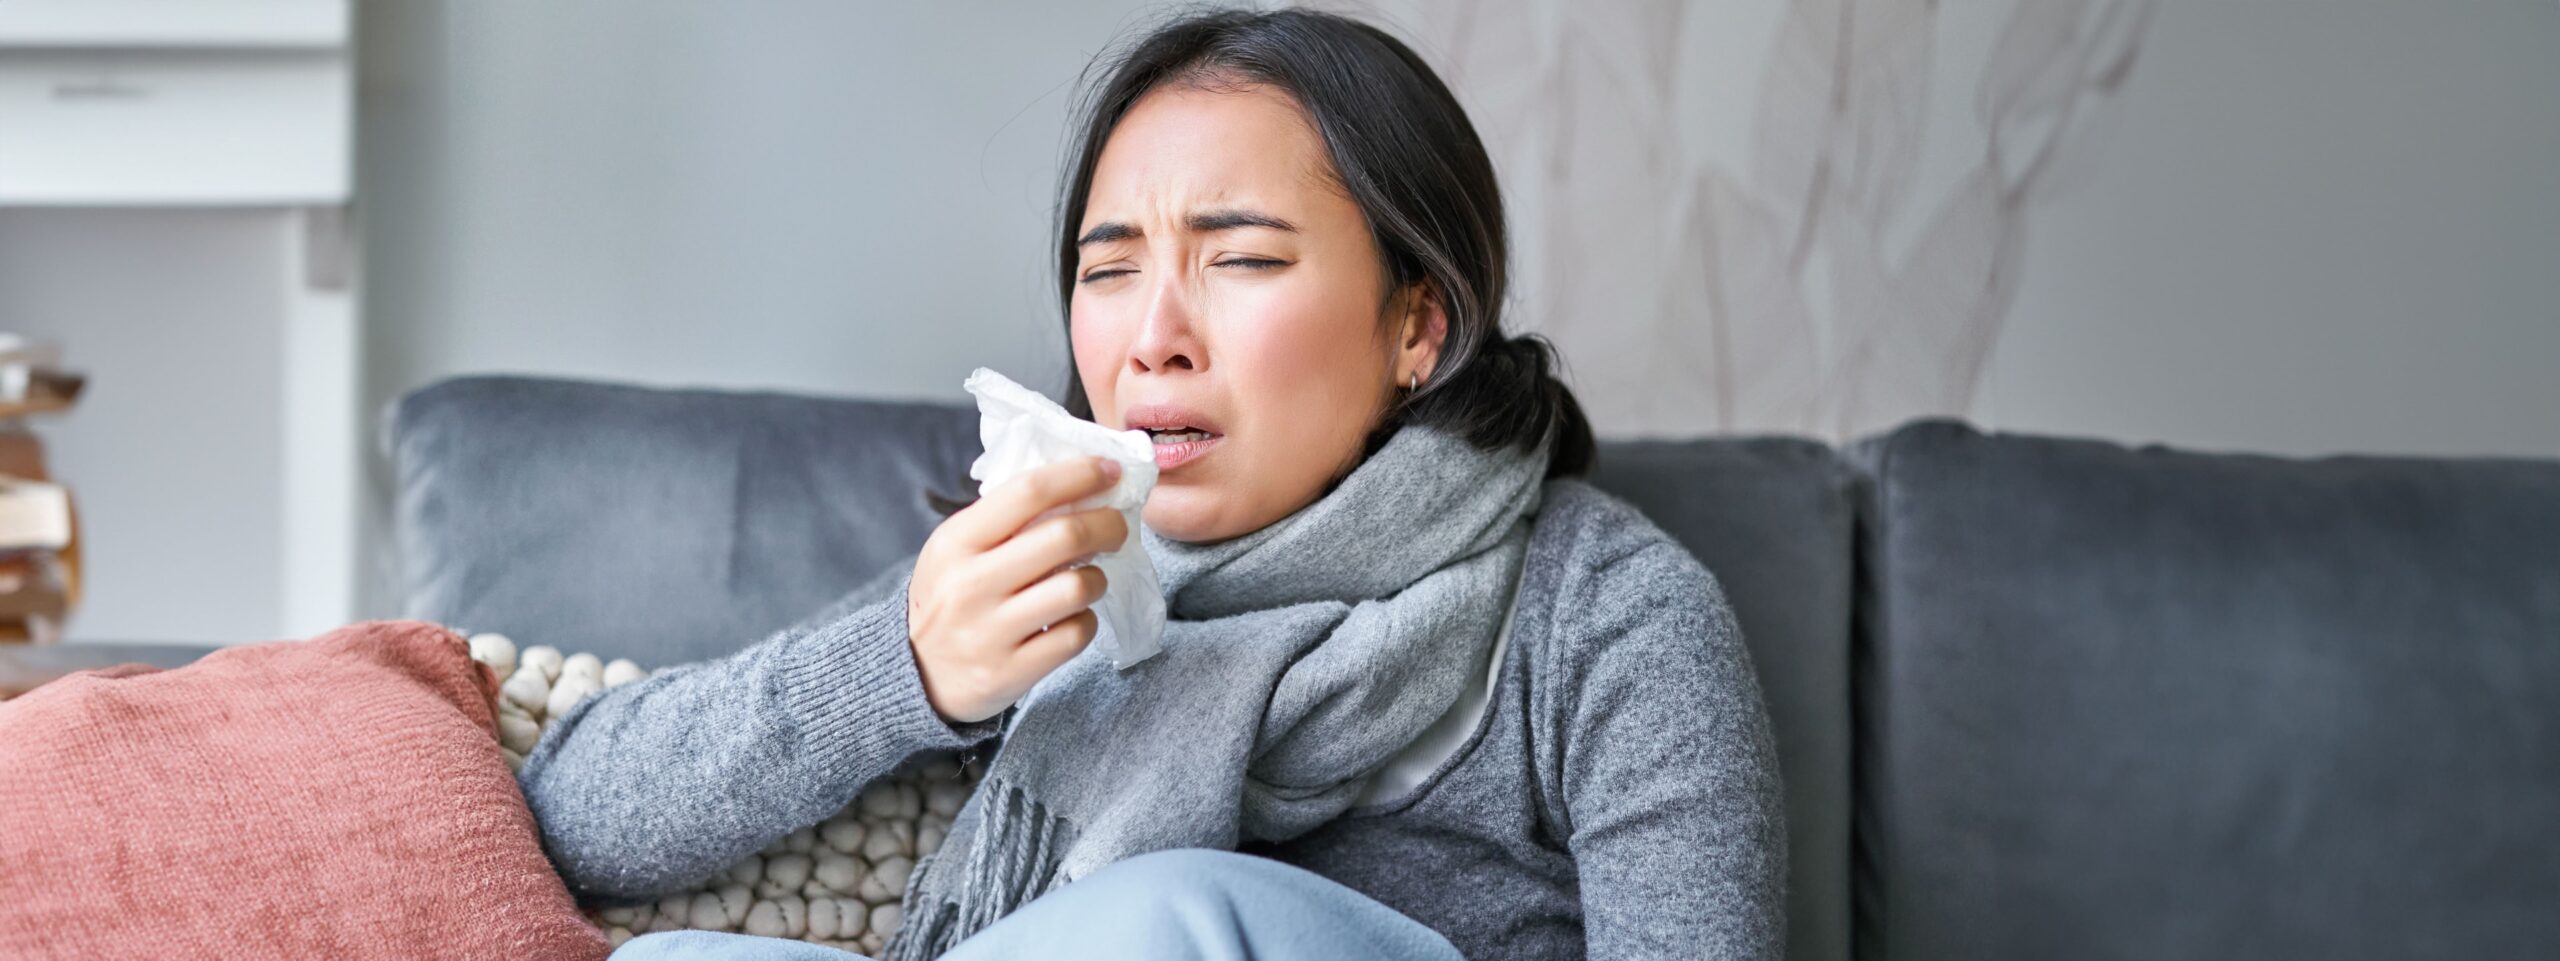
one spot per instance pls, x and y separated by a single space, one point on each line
173 23
174 102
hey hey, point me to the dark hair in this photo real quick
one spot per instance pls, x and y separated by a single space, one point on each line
1402 148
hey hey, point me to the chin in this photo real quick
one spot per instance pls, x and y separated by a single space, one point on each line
1187 515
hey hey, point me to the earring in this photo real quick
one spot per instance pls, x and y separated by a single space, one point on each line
1413 382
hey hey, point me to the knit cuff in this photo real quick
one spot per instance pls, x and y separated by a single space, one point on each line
853 690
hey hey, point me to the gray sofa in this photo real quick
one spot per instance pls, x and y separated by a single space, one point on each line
2034 698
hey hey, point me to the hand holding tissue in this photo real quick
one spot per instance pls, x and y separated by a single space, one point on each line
1023 430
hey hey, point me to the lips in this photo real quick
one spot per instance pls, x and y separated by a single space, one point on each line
1181 434
1172 453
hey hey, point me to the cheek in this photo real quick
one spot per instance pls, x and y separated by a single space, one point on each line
1312 353
1303 365
1098 342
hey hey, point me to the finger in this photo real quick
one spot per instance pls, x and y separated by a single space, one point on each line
1050 544
1044 651
1014 503
1054 599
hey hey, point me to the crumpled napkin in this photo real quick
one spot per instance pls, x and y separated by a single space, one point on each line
1022 430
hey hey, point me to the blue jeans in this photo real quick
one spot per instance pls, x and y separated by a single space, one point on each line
1190 905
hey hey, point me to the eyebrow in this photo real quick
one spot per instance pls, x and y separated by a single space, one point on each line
1205 221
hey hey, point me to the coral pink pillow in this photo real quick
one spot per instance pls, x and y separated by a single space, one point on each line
341 797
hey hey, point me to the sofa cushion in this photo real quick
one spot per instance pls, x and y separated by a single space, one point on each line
2147 703
341 797
1773 519
659 525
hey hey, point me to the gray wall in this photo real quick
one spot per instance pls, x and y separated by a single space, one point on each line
2288 227
2256 224
2316 227
804 195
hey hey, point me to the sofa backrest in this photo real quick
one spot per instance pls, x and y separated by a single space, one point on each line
660 525
2118 703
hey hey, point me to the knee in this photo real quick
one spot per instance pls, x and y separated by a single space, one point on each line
1191 888
1204 904
1184 876
1180 864
1180 903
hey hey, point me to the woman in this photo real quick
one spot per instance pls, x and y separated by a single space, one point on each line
1421 694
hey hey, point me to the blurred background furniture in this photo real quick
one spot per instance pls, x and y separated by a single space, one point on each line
174 189
2034 697
146 102
39 537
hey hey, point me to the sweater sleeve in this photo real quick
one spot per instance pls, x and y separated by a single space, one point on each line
1669 776
657 785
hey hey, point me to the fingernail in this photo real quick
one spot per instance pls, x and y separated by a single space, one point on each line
1110 469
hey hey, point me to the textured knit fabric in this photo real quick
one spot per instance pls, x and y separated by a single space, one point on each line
341 797
1428 753
1297 660
1620 799
1184 904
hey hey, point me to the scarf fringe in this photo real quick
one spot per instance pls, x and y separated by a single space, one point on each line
1013 858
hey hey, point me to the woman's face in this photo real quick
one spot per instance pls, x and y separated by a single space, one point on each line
1229 300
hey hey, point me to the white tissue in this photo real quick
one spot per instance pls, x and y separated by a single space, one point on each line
1023 430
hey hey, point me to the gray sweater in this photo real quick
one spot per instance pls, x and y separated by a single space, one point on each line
1619 799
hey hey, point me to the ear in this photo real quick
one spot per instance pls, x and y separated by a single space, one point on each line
1420 332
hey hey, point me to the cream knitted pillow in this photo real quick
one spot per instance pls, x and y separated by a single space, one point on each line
836 883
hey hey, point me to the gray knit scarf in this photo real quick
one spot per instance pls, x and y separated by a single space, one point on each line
1297 661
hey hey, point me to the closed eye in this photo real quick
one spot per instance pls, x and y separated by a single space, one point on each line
1248 263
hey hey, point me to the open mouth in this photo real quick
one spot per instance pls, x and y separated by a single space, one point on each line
1176 446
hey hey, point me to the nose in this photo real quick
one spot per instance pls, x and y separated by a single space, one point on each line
1167 339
